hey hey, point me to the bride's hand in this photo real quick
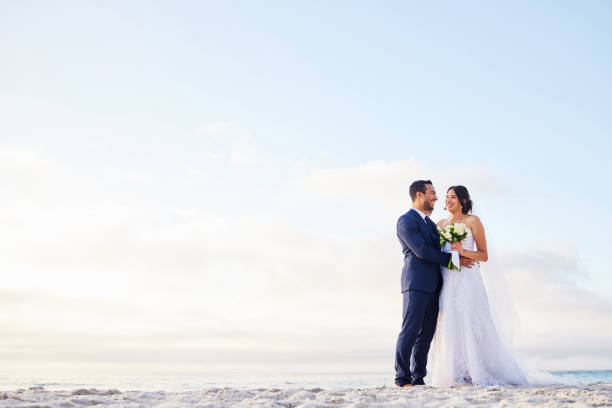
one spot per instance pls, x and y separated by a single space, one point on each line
467 262
456 246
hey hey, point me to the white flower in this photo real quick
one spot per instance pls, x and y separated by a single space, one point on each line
447 235
460 229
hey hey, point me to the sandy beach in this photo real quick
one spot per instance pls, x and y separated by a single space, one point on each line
586 395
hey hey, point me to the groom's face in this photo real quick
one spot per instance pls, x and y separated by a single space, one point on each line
429 198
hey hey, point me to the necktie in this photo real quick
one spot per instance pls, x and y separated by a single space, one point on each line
430 222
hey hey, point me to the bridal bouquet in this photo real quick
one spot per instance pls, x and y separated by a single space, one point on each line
455 232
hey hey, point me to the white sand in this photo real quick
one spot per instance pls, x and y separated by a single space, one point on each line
587 395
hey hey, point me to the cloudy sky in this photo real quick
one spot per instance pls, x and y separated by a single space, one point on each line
215 185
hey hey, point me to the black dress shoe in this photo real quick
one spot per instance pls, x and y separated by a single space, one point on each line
418 381
402 381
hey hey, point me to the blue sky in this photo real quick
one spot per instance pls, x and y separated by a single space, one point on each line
310 116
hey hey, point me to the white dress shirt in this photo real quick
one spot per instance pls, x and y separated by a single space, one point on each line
421 213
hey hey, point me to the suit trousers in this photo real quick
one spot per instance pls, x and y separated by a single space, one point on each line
419 318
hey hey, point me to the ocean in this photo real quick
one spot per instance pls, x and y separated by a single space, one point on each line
196 381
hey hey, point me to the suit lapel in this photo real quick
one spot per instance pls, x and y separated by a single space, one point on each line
427 230
436 234
431 228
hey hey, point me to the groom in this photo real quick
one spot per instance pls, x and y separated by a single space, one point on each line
421 284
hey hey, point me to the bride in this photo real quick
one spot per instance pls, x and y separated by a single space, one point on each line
467 348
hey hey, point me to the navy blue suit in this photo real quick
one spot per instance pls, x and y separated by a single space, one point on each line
421 284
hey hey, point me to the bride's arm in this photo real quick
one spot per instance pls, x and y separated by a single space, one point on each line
478 232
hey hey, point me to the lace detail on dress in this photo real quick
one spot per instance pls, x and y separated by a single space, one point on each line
477 328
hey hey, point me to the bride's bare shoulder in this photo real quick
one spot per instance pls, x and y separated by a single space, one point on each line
473 221
473 217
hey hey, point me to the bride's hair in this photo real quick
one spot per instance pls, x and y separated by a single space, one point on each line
464 198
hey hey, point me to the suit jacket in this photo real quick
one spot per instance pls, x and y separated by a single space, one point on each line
422 254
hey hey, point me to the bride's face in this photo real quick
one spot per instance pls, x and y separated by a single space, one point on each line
452 202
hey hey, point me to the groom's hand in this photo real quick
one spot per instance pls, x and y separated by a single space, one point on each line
467 262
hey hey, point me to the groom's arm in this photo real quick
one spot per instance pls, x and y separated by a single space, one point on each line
409 232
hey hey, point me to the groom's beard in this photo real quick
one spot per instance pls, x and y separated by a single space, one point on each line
428 206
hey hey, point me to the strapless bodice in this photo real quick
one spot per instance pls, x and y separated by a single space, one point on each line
468 242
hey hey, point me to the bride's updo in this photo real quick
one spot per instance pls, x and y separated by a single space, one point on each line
464 198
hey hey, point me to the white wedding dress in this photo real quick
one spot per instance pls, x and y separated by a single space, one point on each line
467 348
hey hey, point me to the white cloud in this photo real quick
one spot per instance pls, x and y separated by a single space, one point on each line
216 129
386 183
559 319
22 159
31 177
229 144
138 177
303 163
135 280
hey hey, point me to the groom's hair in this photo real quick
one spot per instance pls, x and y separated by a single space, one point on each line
418 186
